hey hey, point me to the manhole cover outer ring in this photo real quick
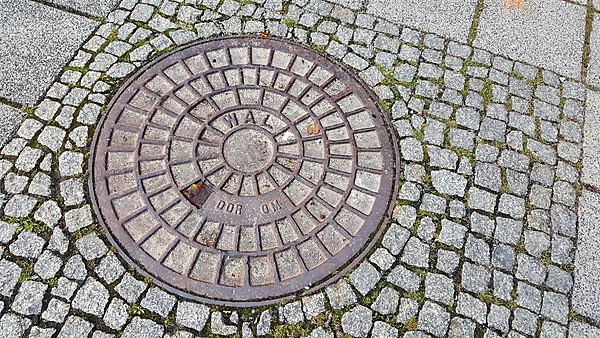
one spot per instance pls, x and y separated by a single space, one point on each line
165 280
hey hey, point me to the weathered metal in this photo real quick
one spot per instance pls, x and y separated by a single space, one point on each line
243 171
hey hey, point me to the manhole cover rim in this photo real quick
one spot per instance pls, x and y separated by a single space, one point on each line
392 158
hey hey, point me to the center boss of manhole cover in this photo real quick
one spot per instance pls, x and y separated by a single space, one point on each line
243 171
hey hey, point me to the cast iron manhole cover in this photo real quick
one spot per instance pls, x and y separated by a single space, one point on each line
242 171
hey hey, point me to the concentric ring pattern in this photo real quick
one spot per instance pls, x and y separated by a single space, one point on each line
243 170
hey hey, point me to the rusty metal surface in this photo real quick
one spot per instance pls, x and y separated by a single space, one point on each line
243 171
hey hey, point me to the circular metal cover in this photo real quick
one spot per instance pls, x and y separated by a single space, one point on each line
243 171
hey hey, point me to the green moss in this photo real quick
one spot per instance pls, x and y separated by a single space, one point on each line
290 330
136 310
26 270
401 202
487 298
320 320
84 232
370 298
487 93
426 178
412 324
388 75
546 257
77 69
27 224
517 75
319 48
508 105
416 296
463 153
289 22
520 248
475 22
538 80
419 134
170 320
504 182
575 316
386 105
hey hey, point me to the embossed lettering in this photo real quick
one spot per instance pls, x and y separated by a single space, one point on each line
231 119
232 208
263 122
271 207
249 118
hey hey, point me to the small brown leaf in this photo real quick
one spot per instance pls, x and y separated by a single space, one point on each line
194 189
313 129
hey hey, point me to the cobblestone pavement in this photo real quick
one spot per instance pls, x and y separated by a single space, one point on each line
484 233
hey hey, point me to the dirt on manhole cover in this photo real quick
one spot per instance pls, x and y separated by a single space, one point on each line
243 171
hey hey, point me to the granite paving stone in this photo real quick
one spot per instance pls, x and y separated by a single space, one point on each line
11 119
143 328
529 31
591 140
387 302
593 68
433 319
587 279
28 300
581 330
116 314
192 315
13 325
447 18
32 63
91 298
9 277
358 321
158 301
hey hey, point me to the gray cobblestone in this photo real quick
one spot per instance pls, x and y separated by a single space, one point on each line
13 325
57 311
47 265
75 327
475 278
9 276
28 300
364 278
143 328
358 321
27 245
387 302
116 314
91 298
75 268
340 295
433 319
91 247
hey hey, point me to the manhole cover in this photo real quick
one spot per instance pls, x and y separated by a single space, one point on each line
243 171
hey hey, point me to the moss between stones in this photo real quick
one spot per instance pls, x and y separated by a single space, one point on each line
290 330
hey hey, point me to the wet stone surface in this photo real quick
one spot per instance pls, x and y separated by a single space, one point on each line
243 170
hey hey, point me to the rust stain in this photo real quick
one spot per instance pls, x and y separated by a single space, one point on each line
514 4
313 129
